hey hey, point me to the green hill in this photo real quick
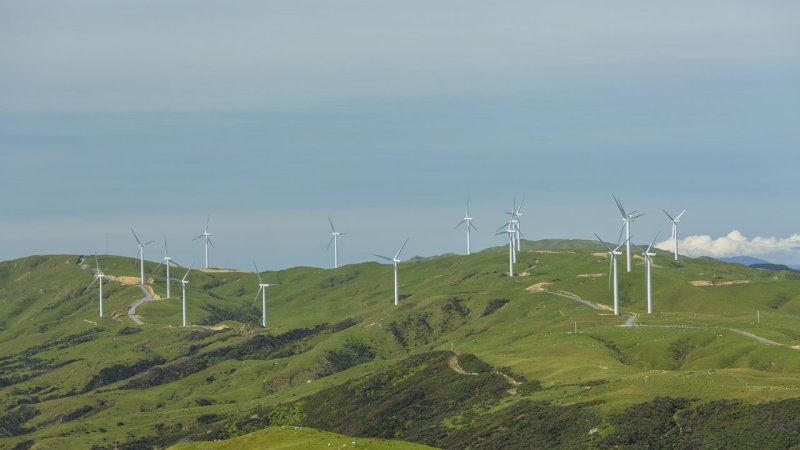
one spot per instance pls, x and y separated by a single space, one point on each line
337 353
297 438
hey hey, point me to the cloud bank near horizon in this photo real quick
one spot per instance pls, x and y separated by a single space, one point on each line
733 244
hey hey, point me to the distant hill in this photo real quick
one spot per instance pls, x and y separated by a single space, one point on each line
773 267
746 260
758 263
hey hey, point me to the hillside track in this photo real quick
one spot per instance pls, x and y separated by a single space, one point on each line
631 322
132 309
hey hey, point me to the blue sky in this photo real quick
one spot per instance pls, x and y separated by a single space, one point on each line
270 116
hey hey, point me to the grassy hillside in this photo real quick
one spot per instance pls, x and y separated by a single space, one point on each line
297 438
69 379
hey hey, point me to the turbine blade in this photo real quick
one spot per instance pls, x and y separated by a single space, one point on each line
329 244
156 268
90 284
187 272
621 231
136 237
208 219
331 222
256 297
383 257
97 262
638 215
258 273
198 237
145 245
459 224
653 243
166 250
401 249
520 206
619 205
212 243
602 242
679 215
473 226
623 243
670 217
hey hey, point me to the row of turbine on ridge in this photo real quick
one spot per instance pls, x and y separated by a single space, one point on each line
629 217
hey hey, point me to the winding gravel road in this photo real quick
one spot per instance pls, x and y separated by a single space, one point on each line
631 322
132 309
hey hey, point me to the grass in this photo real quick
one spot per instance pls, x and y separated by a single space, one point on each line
298 438
51 334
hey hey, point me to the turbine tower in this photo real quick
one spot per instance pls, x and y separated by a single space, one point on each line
207 237
262 289
98 275
515 216
335 241
468 221
394 262
627 219
612 267
648 274
183 283
513 225
167 261
141 255
675 221
511 249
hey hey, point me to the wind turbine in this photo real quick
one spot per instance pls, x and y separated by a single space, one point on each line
511 250
207 237
262 289
468 221
335 241
612 267
394 262
141 255
515 216
183 283
627 219
648 274
167 261
98 275
675 221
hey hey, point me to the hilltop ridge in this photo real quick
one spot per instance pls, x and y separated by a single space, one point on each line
69 378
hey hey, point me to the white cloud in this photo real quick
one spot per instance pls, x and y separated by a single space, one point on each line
733 244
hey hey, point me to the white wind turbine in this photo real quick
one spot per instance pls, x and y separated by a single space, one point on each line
612 268
183 281
167 261
98 275
262 289
207 237
515 217
511 250
335 241
648 274
141 255
627 219
468 221
394 262
675 221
